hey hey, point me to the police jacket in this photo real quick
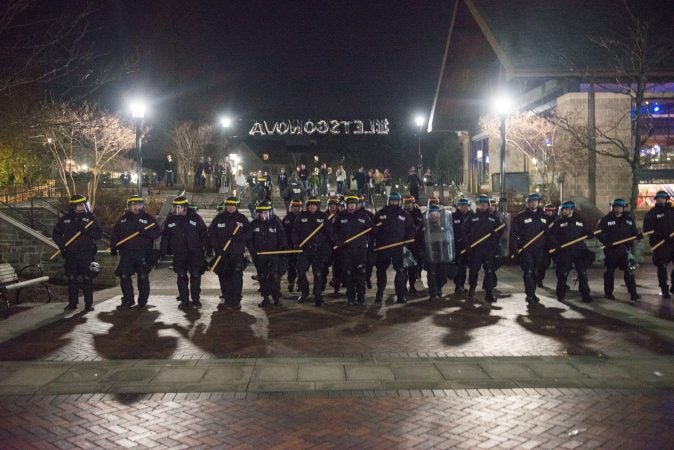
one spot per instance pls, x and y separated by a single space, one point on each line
615 229
525 227
660 220
349 224
288 223
130 223
266 235
183 234
396 225
221 230
458 220
69 225
306 223
480 224
371 234
566 229
418 220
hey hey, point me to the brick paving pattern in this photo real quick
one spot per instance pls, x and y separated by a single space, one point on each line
453 327
521 418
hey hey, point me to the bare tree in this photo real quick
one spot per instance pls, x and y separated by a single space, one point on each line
85 134
536 138
637 56
189 143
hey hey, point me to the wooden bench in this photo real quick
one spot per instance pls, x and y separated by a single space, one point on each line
11 280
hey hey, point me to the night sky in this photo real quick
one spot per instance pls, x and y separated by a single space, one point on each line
278 60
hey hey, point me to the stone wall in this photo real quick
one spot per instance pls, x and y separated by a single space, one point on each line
612 176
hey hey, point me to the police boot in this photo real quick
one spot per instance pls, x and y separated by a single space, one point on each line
459 290
302 297
264 302
380 296
277 301
291 287
318 300
471 291
665 293
489 296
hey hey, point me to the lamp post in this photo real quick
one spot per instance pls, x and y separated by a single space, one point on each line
226 123
419 120
138 113
502 106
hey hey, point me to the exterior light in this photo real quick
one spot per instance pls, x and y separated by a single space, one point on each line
137 109
226 122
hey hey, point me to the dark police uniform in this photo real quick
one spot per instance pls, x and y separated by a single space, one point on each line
371 256
567 229
416 248
458 220
288 223
660 220
396 226
526 226
353 255
316 251
268 235
616 257
185 237
134 254
547 257
333 260
79 254
479 224
231 264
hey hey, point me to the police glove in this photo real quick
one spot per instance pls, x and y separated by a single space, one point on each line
113 251
209 253
640 236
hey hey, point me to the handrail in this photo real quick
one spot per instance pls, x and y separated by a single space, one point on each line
26 218
28 230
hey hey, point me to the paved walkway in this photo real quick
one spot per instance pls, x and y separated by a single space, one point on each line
447 373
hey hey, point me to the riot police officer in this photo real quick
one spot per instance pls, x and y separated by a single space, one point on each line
133 237
268 235
371 257
567 228
483 231
185 236
417 247
288 222
438 232
76 234
616 226
332 261
312 233
458 220
660 222
227 234
352 255
396 226
528 232
550 216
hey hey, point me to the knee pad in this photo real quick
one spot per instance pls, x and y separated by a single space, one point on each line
195 276
124 277
72 278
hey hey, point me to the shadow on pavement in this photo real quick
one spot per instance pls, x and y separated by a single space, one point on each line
134 335
41 343
460 322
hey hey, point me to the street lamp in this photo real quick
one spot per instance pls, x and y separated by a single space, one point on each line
420 120
138 113
226 123
502 106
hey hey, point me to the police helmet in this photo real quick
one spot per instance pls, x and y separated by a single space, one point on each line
482 199
568 205
263 205
94 269
333 201
549 207
78 199
352 199
394 196
463 202
662 194
408 199
181 200
232 201
134 199
534 196
619 202
313 200
296 202
434 208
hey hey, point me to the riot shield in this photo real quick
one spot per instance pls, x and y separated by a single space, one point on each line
439 236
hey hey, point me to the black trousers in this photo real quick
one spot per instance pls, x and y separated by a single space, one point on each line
230 276
134 262
269 275
662 256
461 268
414 273
436 274
565 262
530 262
386 258
481 259
545 265
189 267
352 263
292 268
77 266
617 259
315 260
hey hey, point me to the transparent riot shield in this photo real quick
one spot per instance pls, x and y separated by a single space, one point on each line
439 236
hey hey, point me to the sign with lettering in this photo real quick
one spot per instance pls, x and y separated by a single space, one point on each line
309 127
